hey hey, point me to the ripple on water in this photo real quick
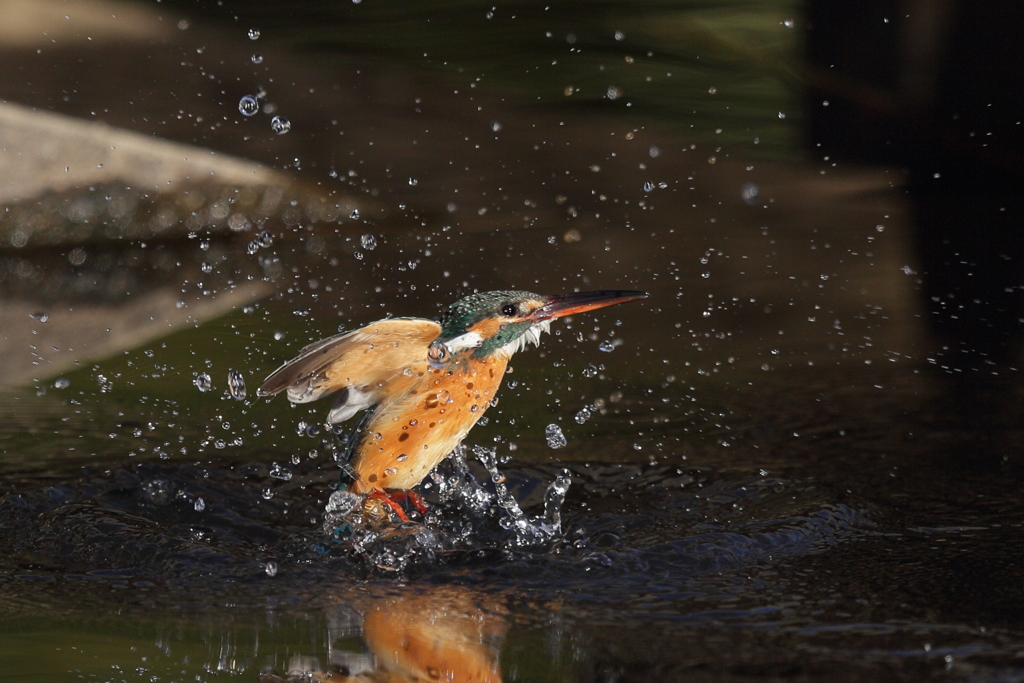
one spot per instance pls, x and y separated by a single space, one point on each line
624 525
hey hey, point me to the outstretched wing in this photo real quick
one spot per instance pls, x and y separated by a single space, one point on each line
366 366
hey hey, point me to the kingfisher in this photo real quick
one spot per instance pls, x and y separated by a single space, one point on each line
423 385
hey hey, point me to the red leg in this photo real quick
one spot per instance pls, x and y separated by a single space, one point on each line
390 502
412 497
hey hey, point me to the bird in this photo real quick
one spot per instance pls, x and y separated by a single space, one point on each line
422 385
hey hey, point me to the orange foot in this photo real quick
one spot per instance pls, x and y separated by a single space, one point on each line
393 500
411 497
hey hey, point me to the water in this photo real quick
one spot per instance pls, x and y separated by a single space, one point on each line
203 382
280 125
248 105
778 473
236 385
554 436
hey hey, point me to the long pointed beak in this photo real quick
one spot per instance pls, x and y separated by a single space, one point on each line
580 302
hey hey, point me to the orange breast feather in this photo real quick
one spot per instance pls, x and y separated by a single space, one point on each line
409 436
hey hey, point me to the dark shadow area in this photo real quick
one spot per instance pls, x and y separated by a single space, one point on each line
936 88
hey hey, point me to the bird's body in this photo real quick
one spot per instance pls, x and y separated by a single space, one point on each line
424 384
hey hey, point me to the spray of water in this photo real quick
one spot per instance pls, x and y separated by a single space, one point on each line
462 516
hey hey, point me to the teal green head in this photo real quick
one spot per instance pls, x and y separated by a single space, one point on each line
504 321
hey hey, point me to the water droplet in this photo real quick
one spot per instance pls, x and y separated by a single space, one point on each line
236 385
248 105
159 491
271 568
495 126
203 382
584 414
354 215
554 436
390 471
590 371
613 93
254 34
369 242
342 502
199 505
41 316
280 125
257 59
402 458
413 182
279 471
265 239
61 383
267 493
750 193
607 346
444 397
648 186
312 430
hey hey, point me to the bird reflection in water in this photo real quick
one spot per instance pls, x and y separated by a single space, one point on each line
448 635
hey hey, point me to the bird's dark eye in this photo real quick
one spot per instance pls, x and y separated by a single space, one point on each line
509 310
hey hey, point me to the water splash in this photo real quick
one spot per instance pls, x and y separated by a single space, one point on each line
529 531
554 436
554 498
464 514
461 488
236 385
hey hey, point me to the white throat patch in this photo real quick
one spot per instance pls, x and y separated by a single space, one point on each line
469 340
531 336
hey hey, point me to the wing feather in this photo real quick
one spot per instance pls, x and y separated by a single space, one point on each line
364 363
